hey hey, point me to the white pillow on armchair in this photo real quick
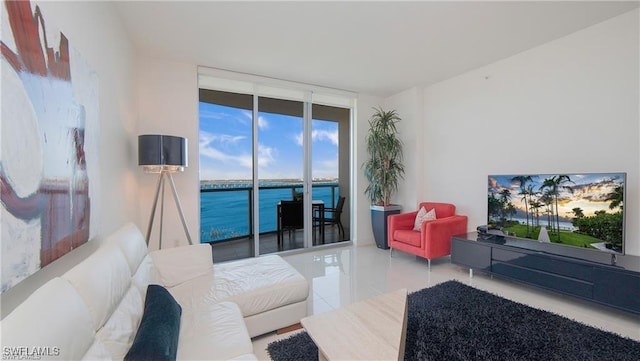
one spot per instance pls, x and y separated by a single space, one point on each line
422 216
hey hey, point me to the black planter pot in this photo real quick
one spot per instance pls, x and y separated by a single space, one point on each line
379 216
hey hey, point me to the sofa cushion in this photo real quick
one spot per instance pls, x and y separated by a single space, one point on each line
118 332
145 275
179 264
132 244
214 331
410 237
157 336
102 280
256 285
54 316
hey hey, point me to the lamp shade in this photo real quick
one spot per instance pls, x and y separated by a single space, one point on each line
162 152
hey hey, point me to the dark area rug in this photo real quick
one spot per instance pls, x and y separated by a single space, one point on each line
453 321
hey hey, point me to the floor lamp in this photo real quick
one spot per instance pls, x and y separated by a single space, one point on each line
163 155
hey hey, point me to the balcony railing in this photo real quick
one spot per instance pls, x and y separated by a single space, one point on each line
226 212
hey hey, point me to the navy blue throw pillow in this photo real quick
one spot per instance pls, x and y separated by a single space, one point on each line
157 336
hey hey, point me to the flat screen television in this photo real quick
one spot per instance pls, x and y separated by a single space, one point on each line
579 210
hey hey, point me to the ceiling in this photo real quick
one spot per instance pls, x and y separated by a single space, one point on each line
376 48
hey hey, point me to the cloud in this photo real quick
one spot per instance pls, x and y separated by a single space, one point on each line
206 115
221 147
493 183
248 115
298 139
206 138
327 168
266 155
210 144
263 123
320 135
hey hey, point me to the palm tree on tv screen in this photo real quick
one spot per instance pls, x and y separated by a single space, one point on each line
494 205
616 197
578 212
523 180
547 200
535 207
531 192
505 198
553 185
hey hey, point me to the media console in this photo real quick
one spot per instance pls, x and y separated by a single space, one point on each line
608 279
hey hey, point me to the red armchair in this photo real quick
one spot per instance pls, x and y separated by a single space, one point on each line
434 238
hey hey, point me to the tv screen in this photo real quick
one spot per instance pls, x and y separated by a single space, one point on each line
580 210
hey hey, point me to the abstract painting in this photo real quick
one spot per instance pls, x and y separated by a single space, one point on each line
49 143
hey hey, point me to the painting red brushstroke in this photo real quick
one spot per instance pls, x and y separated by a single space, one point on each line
43 165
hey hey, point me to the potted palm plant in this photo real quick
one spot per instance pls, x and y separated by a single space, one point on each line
383 170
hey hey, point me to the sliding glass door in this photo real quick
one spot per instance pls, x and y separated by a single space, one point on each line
281 174
274 173
330 171
226 173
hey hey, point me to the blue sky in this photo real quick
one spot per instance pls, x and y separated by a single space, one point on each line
225 145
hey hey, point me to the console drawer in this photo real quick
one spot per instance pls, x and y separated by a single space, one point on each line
551 281
470 254
544 263
617 288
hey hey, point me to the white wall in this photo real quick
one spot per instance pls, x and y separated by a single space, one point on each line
409 106
568 106
362 233
167 98
95 30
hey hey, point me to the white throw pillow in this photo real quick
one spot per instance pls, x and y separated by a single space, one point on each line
422 216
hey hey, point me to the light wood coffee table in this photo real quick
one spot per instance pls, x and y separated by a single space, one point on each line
373 329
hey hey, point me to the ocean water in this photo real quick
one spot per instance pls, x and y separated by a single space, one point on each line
225 214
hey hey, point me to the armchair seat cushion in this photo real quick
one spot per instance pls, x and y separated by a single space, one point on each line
407 236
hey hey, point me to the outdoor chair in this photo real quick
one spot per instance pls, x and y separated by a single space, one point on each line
332 216
290 218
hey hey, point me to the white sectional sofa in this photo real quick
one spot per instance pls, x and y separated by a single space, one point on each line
93 311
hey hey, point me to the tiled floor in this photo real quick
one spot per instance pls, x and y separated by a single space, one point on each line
242 248
343 275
